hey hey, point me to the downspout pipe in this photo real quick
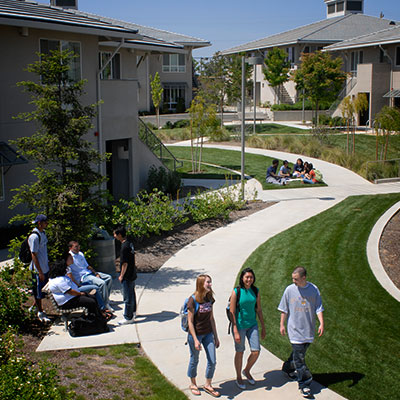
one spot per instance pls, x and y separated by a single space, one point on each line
386 54
98 98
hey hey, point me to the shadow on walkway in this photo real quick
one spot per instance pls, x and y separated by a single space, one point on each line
167 276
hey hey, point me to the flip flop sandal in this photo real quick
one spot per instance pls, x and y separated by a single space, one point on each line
212 392
195 390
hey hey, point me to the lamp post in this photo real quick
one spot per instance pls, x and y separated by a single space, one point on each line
252 61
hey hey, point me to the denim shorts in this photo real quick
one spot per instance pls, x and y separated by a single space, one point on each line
252 337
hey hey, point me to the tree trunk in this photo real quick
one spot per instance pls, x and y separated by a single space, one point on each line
222 112
377 145
158 117
200 155
191 144
386 144
354 139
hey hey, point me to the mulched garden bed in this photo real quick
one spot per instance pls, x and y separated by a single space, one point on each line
389 249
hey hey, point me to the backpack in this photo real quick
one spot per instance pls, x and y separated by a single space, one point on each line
228 312
25 254
184 313
318 175
86 325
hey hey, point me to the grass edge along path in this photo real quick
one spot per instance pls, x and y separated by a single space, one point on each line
359 352
255 165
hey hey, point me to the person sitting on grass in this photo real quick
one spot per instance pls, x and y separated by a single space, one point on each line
284 171
309 176
66 293
272 176
298 168
305 169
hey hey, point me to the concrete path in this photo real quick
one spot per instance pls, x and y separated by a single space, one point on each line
221 254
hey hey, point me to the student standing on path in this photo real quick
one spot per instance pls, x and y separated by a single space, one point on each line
202 332
299 304
39 267
127 275
244 314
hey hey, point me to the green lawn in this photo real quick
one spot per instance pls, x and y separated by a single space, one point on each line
268 129
255 165
359 354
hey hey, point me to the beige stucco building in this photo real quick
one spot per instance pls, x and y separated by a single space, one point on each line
109 54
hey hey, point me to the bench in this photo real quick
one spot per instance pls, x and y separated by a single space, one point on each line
65 314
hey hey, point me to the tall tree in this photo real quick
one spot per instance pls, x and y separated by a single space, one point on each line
67 186
321 78
213 77
234 78
156 94
277 67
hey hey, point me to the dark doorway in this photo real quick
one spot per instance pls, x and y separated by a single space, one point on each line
118 168
364 115
396 102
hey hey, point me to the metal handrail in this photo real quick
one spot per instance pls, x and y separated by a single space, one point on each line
347 88
157 147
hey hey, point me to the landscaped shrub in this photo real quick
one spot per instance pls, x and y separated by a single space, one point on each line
168 182
13 294
147 214
20 379
298 106
151 126
219 135
182 123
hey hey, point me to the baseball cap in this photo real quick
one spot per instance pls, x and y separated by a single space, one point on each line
40 218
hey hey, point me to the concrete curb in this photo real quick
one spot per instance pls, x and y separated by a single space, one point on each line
374 259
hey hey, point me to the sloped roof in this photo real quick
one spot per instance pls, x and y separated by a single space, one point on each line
159 34
34 14
386 36
330 30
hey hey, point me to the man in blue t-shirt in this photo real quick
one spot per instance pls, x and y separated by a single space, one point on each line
300 302
272 176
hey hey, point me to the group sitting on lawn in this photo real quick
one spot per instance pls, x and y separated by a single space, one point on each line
301 171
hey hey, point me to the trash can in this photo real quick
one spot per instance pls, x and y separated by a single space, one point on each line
104 247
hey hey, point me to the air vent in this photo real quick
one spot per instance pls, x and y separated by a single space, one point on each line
65 3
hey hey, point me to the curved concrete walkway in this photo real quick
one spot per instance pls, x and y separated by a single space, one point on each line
221 254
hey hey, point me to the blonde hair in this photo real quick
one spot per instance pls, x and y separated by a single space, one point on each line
200 294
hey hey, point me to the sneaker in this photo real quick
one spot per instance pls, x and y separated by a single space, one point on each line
250 380
43 317
126 321
292 375
108 306
241 386
306 392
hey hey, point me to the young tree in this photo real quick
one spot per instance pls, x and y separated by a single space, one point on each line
360 105
203 119
321 78
347 109
156 94
277 67
388 120
67 186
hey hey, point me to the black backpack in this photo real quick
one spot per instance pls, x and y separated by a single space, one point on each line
228 312
86 325
25 254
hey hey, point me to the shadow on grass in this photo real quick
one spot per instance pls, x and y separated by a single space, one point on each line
330 378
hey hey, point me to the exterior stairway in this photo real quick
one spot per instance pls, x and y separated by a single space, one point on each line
157 147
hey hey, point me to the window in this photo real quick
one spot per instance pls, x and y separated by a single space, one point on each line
397 55
291 54
356 58
66 3
48 45
307 50
354 6
172 95
331 8
174 63
340 6
113 68
1 184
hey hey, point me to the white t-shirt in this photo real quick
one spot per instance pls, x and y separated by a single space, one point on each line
59 287
40 248
79 268
301 304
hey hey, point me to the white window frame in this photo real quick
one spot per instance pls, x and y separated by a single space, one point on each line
63 45
2 191
115 71
174 63
356 58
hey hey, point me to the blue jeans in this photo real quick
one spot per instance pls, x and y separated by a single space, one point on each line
305 180
252 337
208 344
128 292
87 288
297 361
104 283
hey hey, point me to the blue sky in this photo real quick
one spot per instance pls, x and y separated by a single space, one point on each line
226 23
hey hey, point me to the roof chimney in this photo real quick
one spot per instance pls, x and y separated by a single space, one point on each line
65 3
